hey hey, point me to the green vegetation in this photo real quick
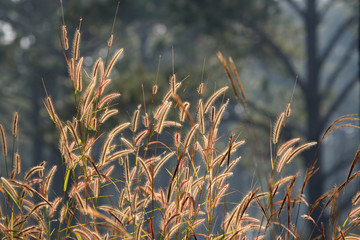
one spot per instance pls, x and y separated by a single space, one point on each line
176 137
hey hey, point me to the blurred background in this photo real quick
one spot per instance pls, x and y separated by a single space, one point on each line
272 42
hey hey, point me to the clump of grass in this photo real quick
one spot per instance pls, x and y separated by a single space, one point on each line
137 207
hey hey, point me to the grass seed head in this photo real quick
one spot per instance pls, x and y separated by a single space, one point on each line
76 44
3 138
277 127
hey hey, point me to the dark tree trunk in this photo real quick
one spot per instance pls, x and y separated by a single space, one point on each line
313 103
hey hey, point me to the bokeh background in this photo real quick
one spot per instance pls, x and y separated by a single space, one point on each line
273 42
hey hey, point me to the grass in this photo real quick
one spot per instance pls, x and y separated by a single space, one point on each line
192 202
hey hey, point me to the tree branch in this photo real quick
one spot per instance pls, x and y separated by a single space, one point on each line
296 7
341 64
336 36
340 98
278 51
326 7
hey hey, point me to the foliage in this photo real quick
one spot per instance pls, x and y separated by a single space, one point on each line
94 204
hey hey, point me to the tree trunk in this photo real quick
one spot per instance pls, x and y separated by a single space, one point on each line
313 103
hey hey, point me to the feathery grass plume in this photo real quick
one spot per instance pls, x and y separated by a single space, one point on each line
277 127
88 115
15 124
219 115
154 89
135 197
140 137
13 173
97 64
3 138
173 230
161 163
139 229
127 143
173 84
213 98
169 93
65 38
232 164
127 170
73 132
106 175
107 99
50 108
134 119
171 124
239 210
283 159
183 111
80 202
71 69
226 154
160 125
113 61
11 190
333 127
146 170
189 136
286 145
352 238
118 230
224 63
356 198
288 110
49 178
62 213
109 139
354 212
212 114
200 89
160 109
33 170
177 139
87 100
78 75
55 205
220 194
307 217
282 181
232 65
77 188
146 120
5 230
118 154
94 235
81 234
183 108
110 41
18 163
299 150
221 177
107 114
76 44
37 208
201 117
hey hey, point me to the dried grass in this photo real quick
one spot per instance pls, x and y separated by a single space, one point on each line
197 166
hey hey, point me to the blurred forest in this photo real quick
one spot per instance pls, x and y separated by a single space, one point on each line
273 42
